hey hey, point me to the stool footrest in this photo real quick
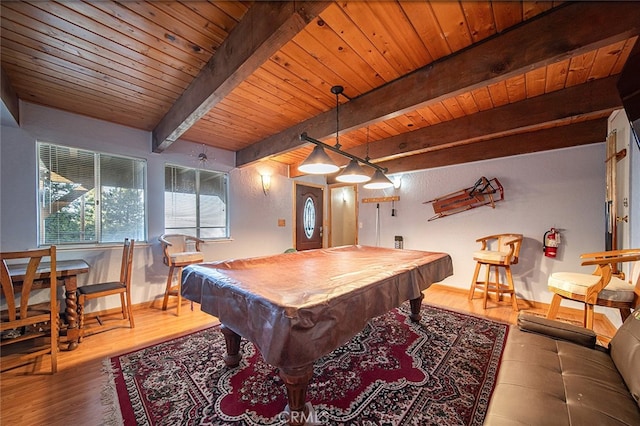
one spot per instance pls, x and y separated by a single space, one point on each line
488 286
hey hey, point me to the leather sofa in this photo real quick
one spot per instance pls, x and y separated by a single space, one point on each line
553 373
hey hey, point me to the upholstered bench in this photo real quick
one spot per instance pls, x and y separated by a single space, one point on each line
553 373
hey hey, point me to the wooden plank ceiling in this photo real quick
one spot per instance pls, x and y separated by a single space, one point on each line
426 83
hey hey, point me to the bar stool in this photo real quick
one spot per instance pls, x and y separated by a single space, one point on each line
504 254
177 255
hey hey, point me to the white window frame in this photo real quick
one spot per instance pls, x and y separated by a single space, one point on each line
197 229
139 234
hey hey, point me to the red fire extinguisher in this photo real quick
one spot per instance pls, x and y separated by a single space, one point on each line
551 241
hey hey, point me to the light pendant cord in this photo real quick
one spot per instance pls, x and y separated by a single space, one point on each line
337 90
366 157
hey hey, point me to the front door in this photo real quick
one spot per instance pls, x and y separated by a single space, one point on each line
309 217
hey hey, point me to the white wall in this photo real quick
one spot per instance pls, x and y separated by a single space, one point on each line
254 216
563 189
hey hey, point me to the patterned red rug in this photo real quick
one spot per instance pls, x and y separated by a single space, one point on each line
440 371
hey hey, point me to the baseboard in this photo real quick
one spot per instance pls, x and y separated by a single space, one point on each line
109 319
151 304
531 304
544 307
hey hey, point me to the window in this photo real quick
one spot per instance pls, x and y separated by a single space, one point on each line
195 202
309 217
88 197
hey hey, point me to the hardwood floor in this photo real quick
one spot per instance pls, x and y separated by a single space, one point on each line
73 395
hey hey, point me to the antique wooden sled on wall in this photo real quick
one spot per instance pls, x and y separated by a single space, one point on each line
484 192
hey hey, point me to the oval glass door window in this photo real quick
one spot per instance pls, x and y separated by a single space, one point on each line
309 217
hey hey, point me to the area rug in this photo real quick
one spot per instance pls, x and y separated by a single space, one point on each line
440 371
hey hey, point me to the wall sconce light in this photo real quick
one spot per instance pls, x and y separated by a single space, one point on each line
266 183
397 181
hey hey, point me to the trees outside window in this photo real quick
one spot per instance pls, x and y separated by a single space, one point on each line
89 197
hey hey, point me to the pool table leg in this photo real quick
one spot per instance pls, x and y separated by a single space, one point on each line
232 342
297 380
415 308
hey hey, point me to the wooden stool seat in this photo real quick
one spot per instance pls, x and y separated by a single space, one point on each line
601 287
177 256
505 254
186 258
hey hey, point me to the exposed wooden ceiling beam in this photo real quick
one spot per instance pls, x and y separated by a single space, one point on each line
586 101
265 28
598 96
9 96
629 84
511 53
581 133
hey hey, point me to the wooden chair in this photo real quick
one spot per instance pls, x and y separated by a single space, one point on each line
601 288
180 250
506 249
121 287
28 331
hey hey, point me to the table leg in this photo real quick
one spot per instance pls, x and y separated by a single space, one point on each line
297 380
415 308
71 312
232 342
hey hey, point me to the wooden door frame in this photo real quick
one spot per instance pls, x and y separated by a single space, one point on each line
618 183
324 211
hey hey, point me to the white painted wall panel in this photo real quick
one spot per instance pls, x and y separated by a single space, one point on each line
562 189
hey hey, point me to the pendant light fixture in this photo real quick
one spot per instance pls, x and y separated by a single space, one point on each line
378 181
318 162
353 173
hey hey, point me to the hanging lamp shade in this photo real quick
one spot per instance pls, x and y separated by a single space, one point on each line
378 181
318 163
353 173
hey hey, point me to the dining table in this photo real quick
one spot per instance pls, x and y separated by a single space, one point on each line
67 272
